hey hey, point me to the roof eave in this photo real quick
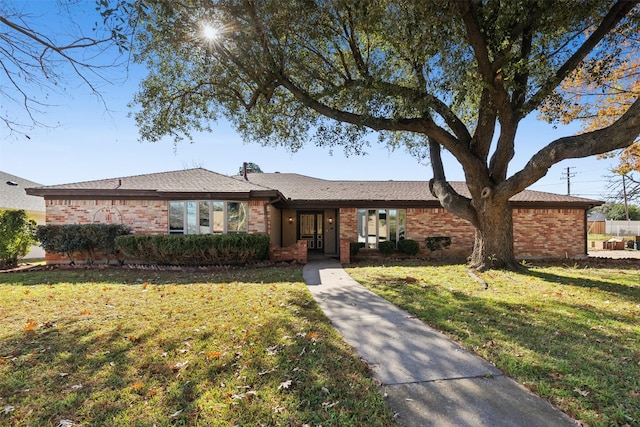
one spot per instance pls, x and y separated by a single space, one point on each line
57 193
578 204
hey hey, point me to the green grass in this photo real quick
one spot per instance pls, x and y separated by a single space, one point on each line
124 347
570 334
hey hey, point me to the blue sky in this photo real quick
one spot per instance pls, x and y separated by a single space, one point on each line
86 142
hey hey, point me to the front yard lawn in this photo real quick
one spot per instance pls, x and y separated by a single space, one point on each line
569 333
120 347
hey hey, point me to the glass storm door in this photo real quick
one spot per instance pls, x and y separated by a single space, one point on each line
311 230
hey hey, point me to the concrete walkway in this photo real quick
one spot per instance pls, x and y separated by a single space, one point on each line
428 379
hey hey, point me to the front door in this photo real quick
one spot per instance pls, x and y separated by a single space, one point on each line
310 229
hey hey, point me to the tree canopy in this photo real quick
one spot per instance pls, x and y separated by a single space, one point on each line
426 75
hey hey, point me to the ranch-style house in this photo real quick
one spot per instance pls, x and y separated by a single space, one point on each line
302 214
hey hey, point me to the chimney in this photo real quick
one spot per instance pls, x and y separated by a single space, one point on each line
244 171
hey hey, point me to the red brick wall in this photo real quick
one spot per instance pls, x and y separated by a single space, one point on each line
143 216
345 251
538 233
297 252
427 222
556 233
259 217
348 224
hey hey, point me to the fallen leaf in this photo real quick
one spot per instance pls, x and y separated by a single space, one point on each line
581 392
285 384
8 409
175 414
30 326
213 354
327 405
179 365
272 351
151 392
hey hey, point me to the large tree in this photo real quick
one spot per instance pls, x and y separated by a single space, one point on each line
424 74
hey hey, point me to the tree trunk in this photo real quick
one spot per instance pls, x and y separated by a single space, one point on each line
493 246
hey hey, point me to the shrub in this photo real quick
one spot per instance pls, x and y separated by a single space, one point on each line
354 248
387 247
435 243
208 249
88 239
17 234
408 246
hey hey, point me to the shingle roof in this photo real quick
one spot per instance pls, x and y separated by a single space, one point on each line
294 188
197 180
14 196
301 188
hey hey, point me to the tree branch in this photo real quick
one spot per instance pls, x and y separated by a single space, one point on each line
490 72
442 190
620 134
613 18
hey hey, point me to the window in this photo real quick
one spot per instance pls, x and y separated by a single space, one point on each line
379 225
207 217
176 218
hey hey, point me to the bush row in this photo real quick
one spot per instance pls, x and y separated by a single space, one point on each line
209 249
87 239
405 246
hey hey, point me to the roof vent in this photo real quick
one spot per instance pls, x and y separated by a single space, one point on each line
12 183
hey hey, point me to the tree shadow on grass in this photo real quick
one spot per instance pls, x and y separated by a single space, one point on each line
583 358
626 290
279 362
125 275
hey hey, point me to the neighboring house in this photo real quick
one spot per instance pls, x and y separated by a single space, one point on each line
13 196
299 212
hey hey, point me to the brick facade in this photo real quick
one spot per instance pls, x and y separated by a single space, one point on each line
538 233
549 233
259 221
428 222
143 216
296 252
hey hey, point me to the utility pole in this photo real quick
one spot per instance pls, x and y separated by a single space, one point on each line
624 191
568 174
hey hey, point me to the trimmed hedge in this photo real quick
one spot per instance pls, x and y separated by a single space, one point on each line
88 239
354 248
387 247
207 249
408 246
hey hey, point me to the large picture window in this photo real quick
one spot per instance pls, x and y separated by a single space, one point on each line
379 225
207 217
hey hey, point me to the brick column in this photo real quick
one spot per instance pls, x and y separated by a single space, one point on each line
345 251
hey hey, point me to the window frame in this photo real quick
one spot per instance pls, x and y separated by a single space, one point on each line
192 218
371 223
